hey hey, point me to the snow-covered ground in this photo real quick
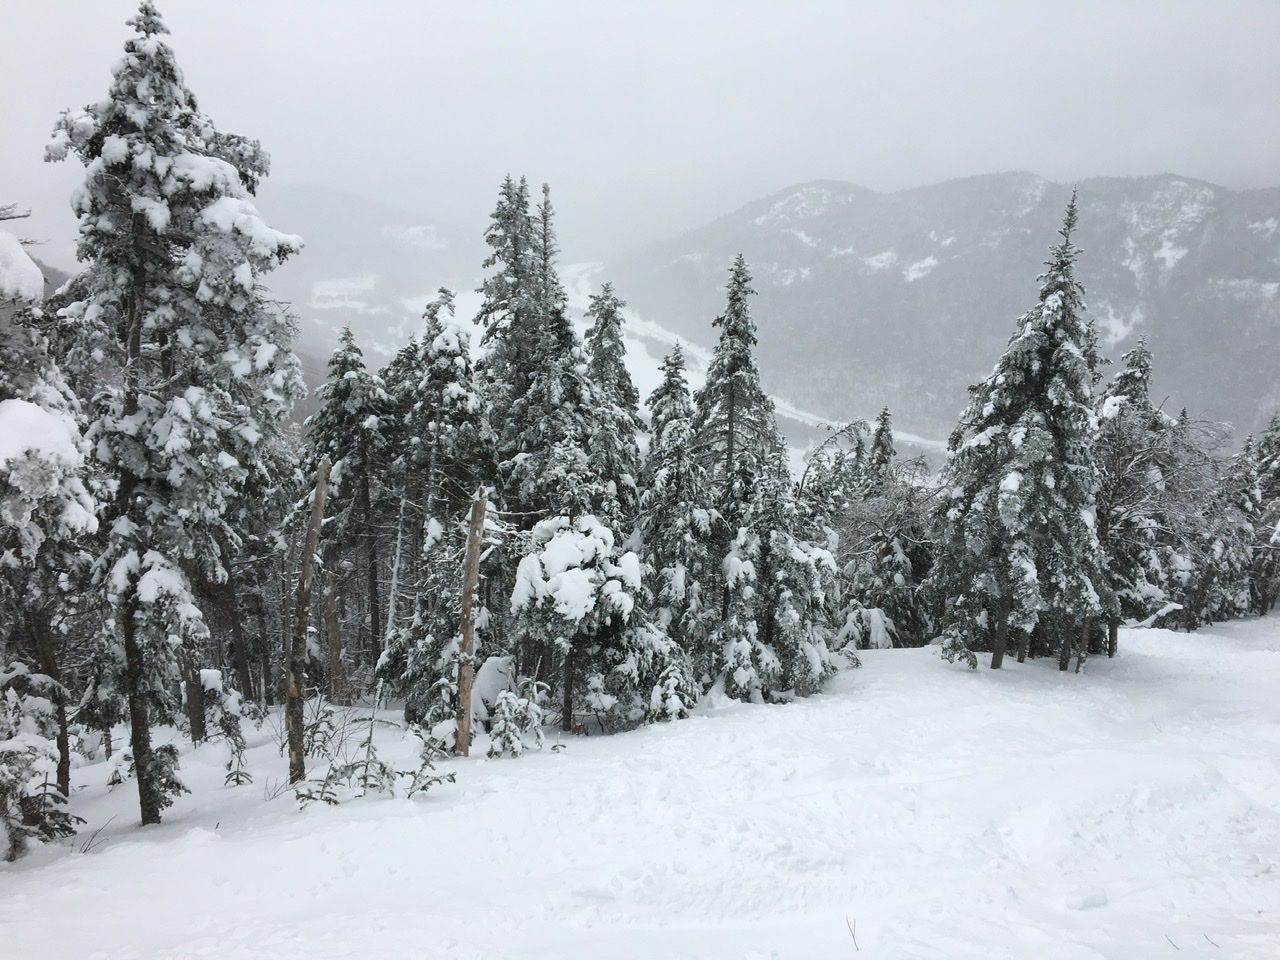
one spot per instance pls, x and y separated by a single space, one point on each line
1131 813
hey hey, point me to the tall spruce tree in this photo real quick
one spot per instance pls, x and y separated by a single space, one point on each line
882 449
1017 545
677 520
615 452
736 435
173 249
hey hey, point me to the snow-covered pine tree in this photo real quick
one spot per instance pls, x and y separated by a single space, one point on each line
677 521
349 428
1135 494
1017 547
781 578
173 249
450 452
511 310
882 449
47 513
736 434
615 453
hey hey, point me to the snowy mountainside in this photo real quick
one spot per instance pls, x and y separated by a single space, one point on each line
905 298
921 809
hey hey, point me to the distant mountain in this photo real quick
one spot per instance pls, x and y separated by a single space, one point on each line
905 298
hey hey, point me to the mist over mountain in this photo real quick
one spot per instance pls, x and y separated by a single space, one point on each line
905 298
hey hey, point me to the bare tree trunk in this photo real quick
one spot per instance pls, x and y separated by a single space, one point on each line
42 633
139 723
267 691
470 578
566 708
1113 636
1064 652
296 655
371 557
1001 635
1024 642
286 623
194 694
239 645
1086 634
338 691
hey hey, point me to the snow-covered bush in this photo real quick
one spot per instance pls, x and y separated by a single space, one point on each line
31 807
515 716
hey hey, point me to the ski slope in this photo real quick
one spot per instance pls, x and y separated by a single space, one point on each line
933 812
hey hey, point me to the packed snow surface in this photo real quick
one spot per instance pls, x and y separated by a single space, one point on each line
1129 813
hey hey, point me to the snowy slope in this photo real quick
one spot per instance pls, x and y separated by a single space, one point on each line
1129 813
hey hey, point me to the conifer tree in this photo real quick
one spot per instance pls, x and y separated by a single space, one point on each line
350 428
173 249
882 449
1017 546
677 518
737 436
451 446
615 452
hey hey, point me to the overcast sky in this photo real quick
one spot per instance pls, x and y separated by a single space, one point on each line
651 118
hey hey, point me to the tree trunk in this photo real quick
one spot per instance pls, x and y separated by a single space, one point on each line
239 645
267 690
193 691
1113 636
296 654
1085 636
1064 652
139 723
333 640
371 551
1001 638
566 720
1024 643
470 579
106 742
149 798
42 635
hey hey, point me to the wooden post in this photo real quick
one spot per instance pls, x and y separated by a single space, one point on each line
296 656
470 580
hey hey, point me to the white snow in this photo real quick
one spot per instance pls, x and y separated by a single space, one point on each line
1115 326
880 261
20 278
803 237
26 428
939 813
919 269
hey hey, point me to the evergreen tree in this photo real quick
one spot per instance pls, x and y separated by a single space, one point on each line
615 452
737 436
173 249
350 428
451 446
786 653
1017 546
882 449
677 520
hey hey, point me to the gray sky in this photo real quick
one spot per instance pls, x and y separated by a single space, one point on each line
650 118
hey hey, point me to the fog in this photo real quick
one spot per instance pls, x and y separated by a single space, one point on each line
649 119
